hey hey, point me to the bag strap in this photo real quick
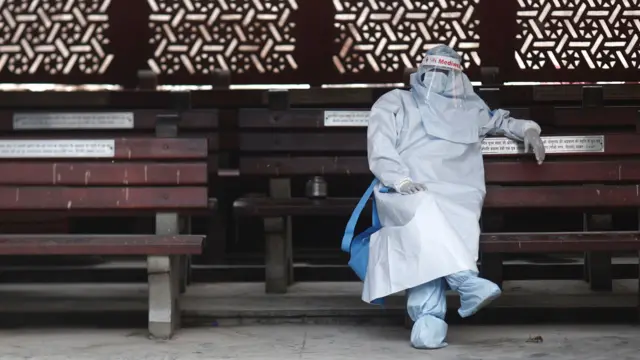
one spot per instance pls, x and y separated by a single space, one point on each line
375 220
351 225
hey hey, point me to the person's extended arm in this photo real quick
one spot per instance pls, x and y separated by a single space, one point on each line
382 136
502 124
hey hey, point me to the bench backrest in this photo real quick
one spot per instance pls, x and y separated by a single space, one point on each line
97 158
332 141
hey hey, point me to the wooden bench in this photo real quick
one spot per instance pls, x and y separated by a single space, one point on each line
50 163
110 114
599 185
282 144
277 143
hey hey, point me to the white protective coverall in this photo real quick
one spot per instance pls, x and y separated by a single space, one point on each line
430 238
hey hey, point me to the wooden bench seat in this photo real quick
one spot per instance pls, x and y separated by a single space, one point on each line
560 241
100 244
597 196
149 171
595 176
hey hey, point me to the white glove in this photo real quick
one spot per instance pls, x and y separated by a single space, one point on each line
532 140
409 187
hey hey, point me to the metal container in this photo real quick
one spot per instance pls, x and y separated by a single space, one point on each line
316 188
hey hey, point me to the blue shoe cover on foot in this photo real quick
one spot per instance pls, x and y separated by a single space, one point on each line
475 292
429 332
427 306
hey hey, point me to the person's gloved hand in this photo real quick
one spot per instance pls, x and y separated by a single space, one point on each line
532 140
409 187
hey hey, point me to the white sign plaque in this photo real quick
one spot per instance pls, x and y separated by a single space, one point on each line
57 149
552 145
346 118
74 120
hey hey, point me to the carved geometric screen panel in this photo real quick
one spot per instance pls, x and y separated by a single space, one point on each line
54 37
386 36
565 34
199 36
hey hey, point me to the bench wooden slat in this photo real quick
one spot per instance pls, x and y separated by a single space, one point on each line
140 148
559 93
588 196
558 116
96 173
265 207
596 196
100 244
102 99
560 242
303 142
303 165
234 98
211 138
102 198
615 144
595 116
142 119
263 118
10 216
349 97
562 171
565 93
495 171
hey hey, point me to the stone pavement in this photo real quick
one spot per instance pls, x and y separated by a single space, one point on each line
326 342
312 321
320 299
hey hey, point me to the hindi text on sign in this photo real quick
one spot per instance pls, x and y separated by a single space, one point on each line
346 118
75 120
552 145
57 149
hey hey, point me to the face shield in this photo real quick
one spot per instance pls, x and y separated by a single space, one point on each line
442 77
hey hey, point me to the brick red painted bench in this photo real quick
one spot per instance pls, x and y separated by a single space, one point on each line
281 143
164 176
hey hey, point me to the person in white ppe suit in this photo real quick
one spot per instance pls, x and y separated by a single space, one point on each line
424 146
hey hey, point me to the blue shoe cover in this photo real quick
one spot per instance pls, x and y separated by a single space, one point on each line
429 332
427 306
475 292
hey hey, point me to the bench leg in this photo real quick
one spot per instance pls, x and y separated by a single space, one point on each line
183 271
492 267
586 267
164 309
185 261
279 243
491 263
600 271
165 273
638 306
189 276
408 323
277 256
598 265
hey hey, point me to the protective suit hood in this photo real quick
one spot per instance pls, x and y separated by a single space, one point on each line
449 107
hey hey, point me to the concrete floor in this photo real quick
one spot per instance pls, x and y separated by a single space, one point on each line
228 300
327 342
312 321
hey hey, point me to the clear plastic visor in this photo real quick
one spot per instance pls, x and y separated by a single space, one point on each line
443 77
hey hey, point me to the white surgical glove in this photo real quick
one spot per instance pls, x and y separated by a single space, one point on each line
409 187
532 140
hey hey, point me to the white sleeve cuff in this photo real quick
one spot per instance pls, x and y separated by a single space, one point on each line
532 125
399 183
